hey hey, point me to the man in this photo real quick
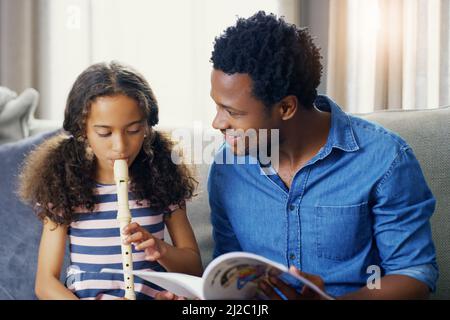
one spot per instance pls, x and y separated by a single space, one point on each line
347 195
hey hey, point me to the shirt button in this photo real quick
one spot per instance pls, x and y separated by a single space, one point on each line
292 207
292 256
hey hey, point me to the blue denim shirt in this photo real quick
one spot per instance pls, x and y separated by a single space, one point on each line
361 201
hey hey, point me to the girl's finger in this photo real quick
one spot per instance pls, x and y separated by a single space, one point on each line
165 295
135 237
131 228
155 255
147 244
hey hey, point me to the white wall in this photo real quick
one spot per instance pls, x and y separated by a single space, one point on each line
169 41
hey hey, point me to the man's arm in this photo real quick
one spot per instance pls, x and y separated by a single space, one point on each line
402 211
225 239
392 287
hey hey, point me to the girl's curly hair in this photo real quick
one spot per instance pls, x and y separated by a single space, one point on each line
58 176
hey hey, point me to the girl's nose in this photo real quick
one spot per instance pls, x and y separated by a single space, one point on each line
119 145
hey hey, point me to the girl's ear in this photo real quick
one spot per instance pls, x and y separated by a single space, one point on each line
146 131
288 107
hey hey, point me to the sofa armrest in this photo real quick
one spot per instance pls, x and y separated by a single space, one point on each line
37 126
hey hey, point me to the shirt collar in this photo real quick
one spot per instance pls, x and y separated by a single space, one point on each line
341 133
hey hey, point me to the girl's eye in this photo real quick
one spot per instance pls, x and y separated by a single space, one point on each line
103 135
134 131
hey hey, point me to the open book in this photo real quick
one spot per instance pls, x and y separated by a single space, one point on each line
233 276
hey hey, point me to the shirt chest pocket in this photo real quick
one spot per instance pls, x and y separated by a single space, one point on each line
342 231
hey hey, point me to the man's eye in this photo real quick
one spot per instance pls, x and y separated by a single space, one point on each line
233 114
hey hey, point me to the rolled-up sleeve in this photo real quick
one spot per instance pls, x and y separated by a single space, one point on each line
427 273
404 205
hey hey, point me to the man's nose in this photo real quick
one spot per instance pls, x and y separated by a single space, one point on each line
220 122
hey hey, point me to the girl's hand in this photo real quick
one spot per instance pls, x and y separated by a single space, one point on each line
154 247
166 295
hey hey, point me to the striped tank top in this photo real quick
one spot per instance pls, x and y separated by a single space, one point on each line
94 244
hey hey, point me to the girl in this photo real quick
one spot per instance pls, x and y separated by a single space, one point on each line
69 180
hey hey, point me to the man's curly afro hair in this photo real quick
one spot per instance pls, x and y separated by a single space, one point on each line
280 58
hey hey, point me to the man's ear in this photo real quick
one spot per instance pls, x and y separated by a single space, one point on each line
288 107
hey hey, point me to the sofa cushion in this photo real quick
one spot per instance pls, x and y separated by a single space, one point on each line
199 215
20 229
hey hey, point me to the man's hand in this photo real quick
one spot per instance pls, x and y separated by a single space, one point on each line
289 292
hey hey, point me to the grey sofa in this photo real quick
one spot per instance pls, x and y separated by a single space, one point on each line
426 131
